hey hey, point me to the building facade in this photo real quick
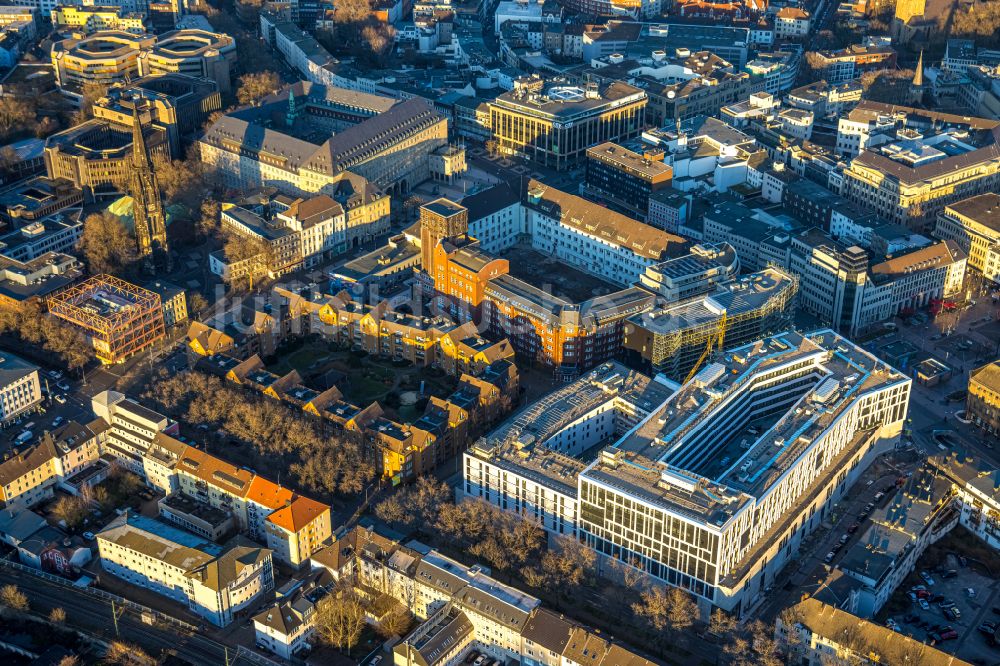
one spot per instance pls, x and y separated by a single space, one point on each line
974 224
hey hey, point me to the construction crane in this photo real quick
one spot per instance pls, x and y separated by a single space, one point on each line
716 340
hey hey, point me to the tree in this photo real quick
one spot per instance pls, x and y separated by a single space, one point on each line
396 622
340 618
17 115
71 510
721 623
208 221
654 607
253 253
197 304
180 181
69 660
351 11
682 611
126 654
890 86
90 93
255 86
106 245
567 563
14 598
57 615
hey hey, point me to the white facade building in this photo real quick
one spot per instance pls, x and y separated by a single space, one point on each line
214 582
688 495
20 388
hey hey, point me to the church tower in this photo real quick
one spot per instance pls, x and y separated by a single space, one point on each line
147 206
917 85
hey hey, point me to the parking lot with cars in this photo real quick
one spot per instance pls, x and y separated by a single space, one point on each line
949 601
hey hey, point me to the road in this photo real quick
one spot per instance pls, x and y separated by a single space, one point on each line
93 616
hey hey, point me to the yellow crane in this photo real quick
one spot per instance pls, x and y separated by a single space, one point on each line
716 340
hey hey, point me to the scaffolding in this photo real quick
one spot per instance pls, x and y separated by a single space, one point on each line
679 351
120 318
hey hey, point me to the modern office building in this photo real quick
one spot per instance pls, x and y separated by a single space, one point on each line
213 581
707 265
59 232
554 123
96 155
672 336
622 179
685 493
115 56
322 135
199 53
176 104
121 319
89 19
982 404
974 224
20 389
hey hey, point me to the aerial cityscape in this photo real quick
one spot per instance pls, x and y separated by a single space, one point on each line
500 332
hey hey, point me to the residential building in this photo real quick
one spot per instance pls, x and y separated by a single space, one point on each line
121 319
215 582
390 143
982 405
292 526
173 300
912 163
791 23
974 224
20 389
744 526
823 633
287 627
554 123
89 19
623 180
825 99
55 459
671 337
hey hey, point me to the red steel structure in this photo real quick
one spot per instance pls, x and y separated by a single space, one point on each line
120 318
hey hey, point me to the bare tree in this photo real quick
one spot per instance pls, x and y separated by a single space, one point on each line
14 598
106 246
396 622
254 86
17 115
57 615
340 618
253 254
654 607
69 509
721 623
91 92
126 654
683 611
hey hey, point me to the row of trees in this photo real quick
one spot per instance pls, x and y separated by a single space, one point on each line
34 329
320 461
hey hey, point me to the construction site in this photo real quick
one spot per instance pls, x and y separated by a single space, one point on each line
676 339
120 318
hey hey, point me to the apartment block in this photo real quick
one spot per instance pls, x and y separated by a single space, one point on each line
96 18
55 459
292 526
215 582
687 495
20 389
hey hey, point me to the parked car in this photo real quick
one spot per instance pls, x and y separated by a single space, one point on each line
471 657
89 536
949 635
829 557
952 614
988 628
844 538
970 592
935 598
480 660
950 573
927 577
853 528
879 495
60 398
57 421
923 604
63 386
